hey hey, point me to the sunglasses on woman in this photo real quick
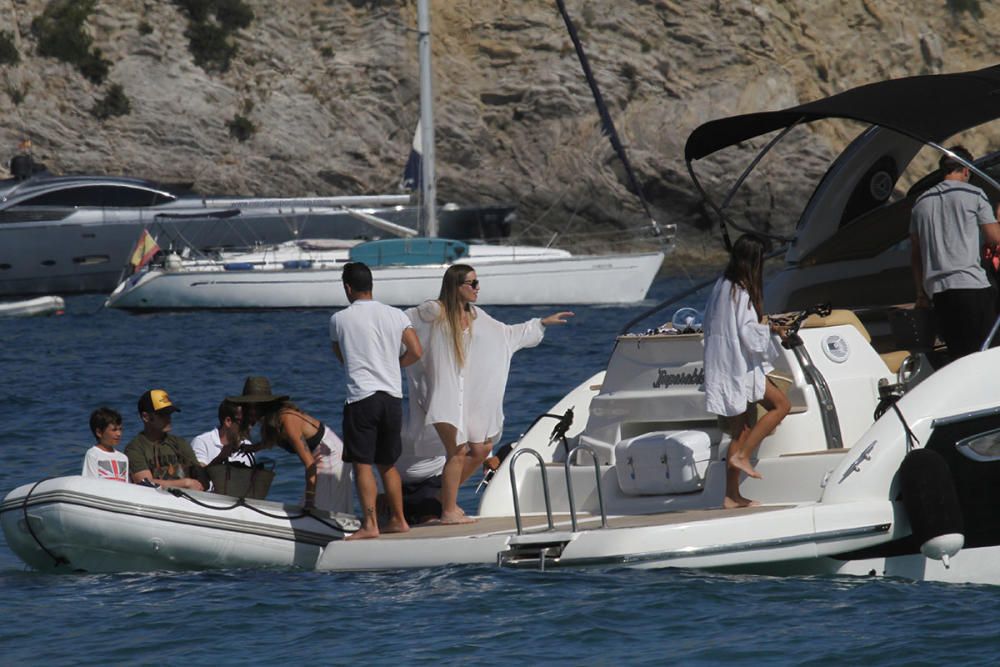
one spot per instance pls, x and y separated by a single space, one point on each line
474 284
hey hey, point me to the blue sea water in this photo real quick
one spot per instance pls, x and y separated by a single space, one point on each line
56 370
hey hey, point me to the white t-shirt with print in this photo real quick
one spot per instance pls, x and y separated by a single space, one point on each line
101 464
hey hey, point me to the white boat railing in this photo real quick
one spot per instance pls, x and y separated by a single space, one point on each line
569 484
545 488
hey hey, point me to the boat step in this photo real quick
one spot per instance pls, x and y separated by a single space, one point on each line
534 554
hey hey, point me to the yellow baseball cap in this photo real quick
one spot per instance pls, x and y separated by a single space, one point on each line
156 400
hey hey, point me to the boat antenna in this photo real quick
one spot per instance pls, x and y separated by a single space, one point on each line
428 192
607 125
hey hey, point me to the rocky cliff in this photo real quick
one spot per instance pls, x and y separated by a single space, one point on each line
323 95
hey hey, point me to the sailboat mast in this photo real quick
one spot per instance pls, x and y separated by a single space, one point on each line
428 189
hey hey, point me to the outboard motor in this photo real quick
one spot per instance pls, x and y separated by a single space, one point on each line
931 502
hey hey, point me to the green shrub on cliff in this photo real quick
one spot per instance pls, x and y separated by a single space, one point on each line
210 39
8 52
241 128
115 103
971 6
60 35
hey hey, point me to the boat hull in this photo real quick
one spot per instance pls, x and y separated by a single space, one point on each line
43 305
607 279
78 524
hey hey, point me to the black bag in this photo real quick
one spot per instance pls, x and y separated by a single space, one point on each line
237 479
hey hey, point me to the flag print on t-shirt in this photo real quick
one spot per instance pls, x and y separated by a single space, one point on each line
113 470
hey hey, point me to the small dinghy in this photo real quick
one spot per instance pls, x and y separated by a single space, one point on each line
72 524
43 305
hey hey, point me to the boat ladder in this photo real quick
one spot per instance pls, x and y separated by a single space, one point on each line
541 546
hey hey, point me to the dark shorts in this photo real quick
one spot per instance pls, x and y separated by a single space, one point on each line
371 429
964 318
420 500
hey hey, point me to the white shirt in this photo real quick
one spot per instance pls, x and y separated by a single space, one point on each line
208 445
370 336
470 397
414 469
102 464
738 349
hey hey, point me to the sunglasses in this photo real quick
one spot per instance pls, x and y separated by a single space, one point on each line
474 284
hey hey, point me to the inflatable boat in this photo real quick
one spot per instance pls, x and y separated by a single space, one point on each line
71 524
43 305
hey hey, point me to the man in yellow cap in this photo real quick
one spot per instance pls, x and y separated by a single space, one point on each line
157 456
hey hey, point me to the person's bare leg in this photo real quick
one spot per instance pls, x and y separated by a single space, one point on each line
393 485
738 430
367 491
478 451
451 476
777 406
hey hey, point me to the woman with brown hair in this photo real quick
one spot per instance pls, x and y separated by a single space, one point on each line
456 390
738 350
282 423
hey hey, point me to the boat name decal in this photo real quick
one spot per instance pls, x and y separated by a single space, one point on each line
666 379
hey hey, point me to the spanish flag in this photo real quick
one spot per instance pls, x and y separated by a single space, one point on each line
144 251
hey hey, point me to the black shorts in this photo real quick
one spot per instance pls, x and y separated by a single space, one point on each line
371 429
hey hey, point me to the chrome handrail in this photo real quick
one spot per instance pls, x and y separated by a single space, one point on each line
991 336
569 485
545 488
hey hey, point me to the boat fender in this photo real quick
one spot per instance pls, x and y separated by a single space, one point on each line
931 502
172 262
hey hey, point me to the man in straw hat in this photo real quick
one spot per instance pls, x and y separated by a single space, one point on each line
366 338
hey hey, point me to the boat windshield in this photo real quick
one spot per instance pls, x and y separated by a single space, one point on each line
99 196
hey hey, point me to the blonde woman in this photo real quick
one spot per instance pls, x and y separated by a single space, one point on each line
456 390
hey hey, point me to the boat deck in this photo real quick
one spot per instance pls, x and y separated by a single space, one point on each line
538 523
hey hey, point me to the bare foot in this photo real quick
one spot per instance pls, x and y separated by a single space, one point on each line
738 502
364 534
730 504
395 526
744 466
450 518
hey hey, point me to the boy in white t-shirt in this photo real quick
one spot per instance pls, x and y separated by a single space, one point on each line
102 460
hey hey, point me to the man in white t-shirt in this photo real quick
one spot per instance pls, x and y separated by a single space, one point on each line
223 441
103 461
366 338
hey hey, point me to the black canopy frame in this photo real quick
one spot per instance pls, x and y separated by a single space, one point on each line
928 108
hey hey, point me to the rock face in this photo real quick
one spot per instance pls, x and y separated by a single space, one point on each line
332 90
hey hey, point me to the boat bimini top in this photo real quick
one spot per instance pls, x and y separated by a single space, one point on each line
921 110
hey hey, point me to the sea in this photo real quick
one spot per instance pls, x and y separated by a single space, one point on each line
54 371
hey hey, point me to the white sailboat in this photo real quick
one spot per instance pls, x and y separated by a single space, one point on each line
299 274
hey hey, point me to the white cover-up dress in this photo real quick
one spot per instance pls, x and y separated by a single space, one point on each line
471 397
738 351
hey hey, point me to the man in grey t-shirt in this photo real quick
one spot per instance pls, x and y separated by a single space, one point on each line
945 252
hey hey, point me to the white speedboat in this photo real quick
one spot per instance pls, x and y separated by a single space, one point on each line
638 481
70 524
43 305
307 274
